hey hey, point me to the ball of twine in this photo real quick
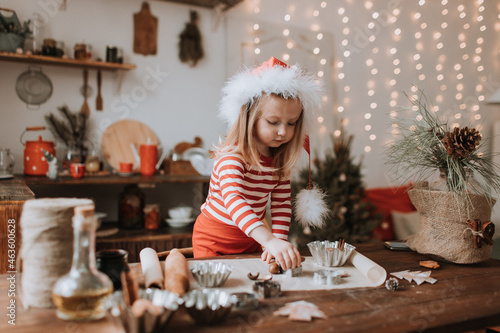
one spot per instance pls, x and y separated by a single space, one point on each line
47 246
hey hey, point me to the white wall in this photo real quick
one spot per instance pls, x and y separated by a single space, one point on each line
185 103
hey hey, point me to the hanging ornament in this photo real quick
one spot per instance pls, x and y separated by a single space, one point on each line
190 48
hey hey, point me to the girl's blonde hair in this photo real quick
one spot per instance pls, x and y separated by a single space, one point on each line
242 136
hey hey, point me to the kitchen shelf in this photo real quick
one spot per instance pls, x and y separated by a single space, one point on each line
113 179
45 60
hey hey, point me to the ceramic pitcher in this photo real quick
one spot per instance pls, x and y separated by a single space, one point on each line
6 162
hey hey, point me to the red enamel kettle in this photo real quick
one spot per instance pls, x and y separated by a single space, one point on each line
35 163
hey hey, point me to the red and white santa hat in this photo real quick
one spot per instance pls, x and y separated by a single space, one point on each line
276 77
271 77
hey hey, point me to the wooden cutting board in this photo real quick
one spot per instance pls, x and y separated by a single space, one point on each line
116 140
145 31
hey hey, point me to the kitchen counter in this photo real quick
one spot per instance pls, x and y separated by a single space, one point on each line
465 297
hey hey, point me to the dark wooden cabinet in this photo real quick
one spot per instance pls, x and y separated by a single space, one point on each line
133 241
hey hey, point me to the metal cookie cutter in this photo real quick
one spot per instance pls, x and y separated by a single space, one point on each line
325 276
293 272
266 289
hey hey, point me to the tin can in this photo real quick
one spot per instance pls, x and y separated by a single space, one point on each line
111 54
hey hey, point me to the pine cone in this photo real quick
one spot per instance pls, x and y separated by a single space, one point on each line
461 142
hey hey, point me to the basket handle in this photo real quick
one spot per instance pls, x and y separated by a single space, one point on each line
32 128
35 128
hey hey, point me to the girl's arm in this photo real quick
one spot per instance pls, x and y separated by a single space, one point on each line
281 209
286 255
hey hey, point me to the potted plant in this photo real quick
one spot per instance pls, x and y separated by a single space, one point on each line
12 33
71 130
455 210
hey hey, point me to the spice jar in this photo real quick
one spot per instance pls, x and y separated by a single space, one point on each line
152 216
83 51
131 208
79 294
49 47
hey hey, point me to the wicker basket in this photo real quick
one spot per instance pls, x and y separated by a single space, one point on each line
180 168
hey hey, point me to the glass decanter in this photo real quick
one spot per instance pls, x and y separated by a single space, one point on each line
79 294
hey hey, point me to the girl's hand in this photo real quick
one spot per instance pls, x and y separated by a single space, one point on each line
286 255
266 256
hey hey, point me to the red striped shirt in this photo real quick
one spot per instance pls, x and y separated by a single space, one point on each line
239 194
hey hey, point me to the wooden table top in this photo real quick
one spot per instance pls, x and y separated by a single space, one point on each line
466 297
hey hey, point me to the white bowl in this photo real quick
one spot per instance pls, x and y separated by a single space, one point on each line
179 223
181 212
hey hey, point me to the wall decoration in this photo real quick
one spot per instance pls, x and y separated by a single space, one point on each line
190 47
145 31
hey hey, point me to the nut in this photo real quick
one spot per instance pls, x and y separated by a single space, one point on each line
253 277
274 268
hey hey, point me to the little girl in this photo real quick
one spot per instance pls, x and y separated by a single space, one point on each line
268 109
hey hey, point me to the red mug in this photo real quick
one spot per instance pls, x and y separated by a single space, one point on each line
126 167
77 170
149 157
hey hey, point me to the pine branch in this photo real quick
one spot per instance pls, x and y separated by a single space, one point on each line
428 144
71 128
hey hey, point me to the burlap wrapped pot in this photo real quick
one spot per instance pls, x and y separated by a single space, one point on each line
443 229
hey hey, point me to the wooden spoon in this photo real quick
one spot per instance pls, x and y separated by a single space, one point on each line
85 107
98 100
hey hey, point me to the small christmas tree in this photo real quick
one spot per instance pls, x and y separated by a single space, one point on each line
351 218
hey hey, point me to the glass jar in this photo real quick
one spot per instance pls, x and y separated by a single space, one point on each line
79 294
152 217
131 208
92 162
73 155
6 162
112 262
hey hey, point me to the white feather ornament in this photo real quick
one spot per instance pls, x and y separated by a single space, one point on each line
311 208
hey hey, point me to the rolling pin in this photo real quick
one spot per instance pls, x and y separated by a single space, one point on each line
151 268
176 273
187 252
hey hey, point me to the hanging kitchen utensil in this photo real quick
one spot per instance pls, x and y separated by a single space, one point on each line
98 100
85 107
86 91
145 31
33 87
